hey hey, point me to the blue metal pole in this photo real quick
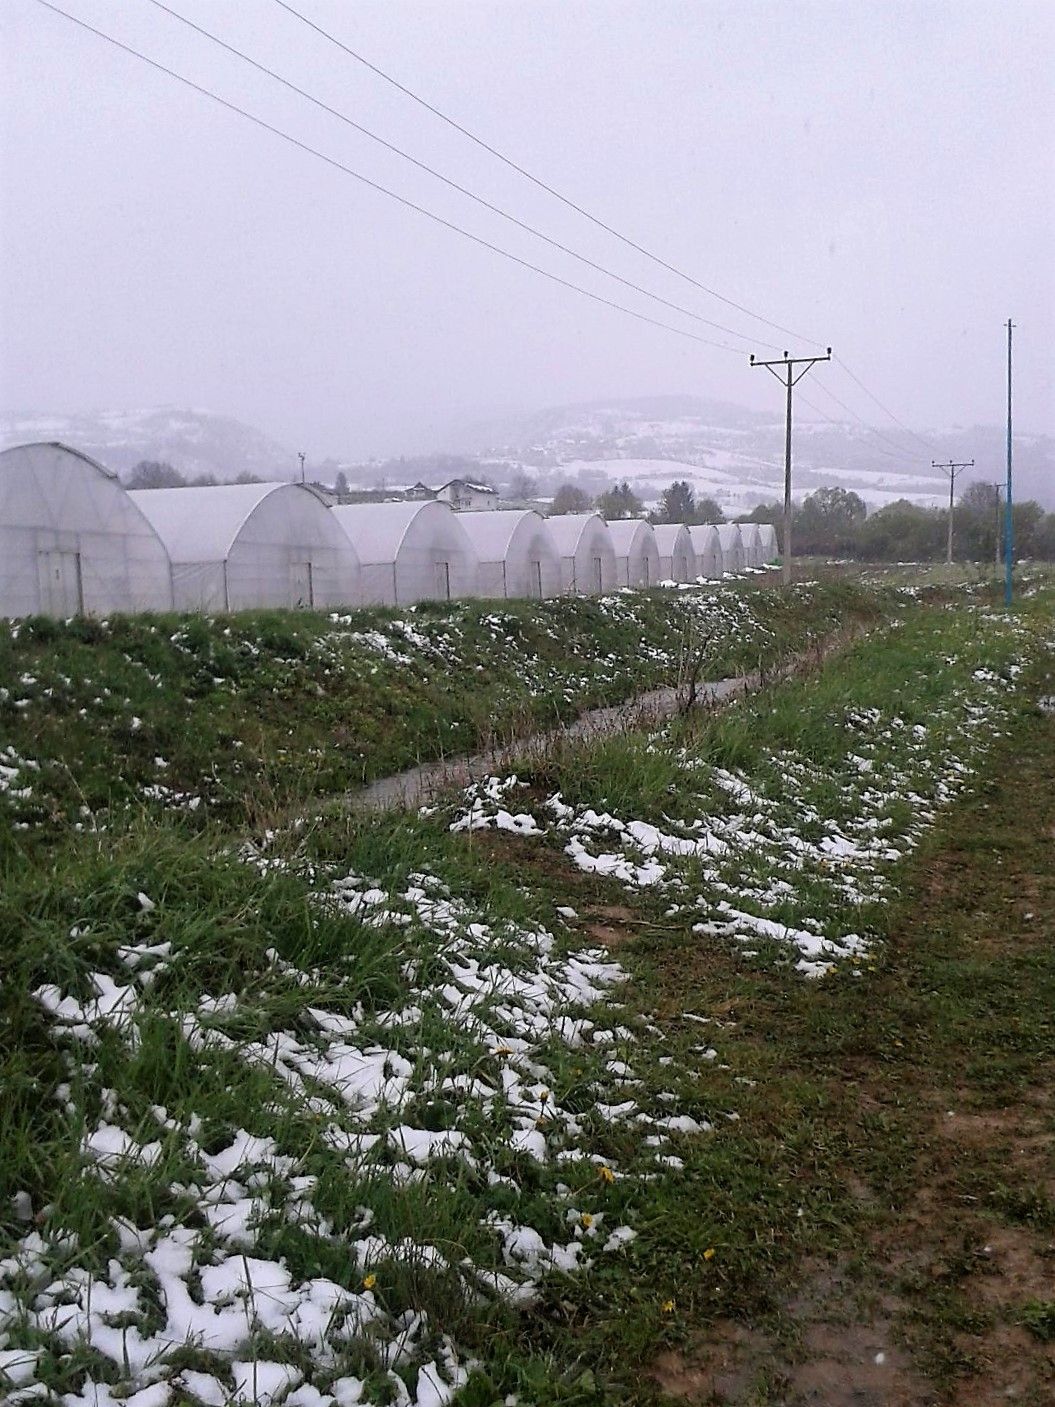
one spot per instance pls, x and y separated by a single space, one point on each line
1009 522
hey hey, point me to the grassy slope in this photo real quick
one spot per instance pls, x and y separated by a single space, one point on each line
844 1156
253 713
887 1186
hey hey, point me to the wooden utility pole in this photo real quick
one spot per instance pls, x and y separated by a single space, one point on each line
788 378
952 468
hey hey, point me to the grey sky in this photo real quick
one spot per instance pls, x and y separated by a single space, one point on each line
878 176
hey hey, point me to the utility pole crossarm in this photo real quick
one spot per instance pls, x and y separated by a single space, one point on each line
788 379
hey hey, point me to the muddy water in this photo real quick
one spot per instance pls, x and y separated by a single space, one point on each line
420 785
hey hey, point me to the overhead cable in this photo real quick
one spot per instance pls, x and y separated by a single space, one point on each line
535 180
384 190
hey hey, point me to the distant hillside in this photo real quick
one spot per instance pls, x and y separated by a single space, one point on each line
731 454
737 455
193 441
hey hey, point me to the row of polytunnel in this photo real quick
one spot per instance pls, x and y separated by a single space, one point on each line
74 540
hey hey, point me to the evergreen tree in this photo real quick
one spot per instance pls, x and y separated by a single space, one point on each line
620 502
570 499
677 504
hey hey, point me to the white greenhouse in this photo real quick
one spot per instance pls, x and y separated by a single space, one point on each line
707 544
636 554
770 547
587 557
732 547
72 541
410 551
237 547
677 556
752 541
516 553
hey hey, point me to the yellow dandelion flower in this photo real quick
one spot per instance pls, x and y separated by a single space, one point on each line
369 1281
709 1253
607 1175
667 1307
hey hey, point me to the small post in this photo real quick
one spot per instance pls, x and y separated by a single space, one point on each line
788 379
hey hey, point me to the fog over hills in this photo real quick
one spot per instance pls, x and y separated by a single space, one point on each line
195 442
728 452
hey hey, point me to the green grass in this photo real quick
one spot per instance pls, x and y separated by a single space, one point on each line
830 1081
235 719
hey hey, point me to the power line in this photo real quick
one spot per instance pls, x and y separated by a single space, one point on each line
788 377
908 454
920 439
536 180
951 467
384 190
873 449
439 176
580 210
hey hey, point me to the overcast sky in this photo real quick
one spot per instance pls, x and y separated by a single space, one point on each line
878 176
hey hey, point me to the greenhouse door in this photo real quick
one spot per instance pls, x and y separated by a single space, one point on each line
443 581
598 578
644 572
303 593
535 579
61 592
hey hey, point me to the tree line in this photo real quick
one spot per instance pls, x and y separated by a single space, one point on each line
836 523
159 474
678 504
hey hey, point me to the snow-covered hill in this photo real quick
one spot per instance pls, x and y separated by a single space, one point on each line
737 456
193 441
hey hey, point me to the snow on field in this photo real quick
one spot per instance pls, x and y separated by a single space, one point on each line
799 844
457 1083
741 481
727 476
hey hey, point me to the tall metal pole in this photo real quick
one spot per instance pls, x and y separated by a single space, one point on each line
787 487
301 456
997 490
948 540
1009 521
786 376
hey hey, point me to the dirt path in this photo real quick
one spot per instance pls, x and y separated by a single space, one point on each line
935 1128
422 784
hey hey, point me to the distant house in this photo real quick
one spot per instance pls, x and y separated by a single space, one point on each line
463 494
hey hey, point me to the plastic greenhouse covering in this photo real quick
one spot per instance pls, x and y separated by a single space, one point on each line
677 556
238 546
636 553
770 548
732 545
411 551
516 553
752 540
707 544
71 539
587 557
